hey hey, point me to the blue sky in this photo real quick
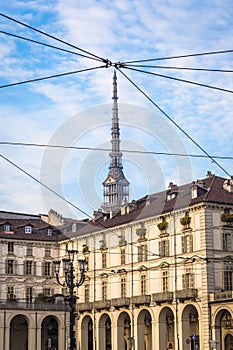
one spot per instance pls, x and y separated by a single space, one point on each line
76 110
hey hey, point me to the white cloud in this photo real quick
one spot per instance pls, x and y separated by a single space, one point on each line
124 30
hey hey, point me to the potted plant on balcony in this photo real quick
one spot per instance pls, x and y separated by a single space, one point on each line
102 244
121 241
85 248
141 232
185 221
227 218
162 226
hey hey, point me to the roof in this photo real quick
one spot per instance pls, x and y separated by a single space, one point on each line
18 222
209 190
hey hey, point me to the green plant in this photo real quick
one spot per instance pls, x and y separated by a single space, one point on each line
85 248
185 220
162 225
227 217
140 231
122 241
102 244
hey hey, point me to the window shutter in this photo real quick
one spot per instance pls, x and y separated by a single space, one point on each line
167 248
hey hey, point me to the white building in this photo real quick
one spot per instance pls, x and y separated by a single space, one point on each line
160 271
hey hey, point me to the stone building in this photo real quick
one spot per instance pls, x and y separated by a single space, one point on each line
159 269
33 316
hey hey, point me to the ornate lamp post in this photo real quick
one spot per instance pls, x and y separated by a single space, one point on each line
68 267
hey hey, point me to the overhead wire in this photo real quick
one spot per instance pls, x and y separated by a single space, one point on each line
50 77
52 37
43 184
180 68
48 45
101 149
180 80
180 56
173 121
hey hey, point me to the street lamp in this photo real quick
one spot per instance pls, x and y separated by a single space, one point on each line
68 267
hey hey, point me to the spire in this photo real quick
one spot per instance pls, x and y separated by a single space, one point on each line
116 186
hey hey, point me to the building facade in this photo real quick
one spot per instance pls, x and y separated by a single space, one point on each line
160 272
33 315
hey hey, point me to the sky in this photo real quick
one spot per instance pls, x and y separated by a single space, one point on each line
75 110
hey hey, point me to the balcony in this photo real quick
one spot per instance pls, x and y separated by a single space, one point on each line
120 302
88 306
162 297
184 294
102 304
140 299
14 305
227 295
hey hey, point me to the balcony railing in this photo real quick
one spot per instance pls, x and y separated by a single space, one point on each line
84 306
186 294
102 304
162 297
120 302
221 295
14 305
140 299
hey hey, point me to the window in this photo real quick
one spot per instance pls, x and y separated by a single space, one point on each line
228 277
123 256
28 229
48 292
171 196
47 268
29 294
104 290
29 249
164 248
142 253
7 227
123 287
10 267
187 243
28 267
10 247
188 278
11 293
87 293
47 251
143 284
226 241
49 231
164 281
104 260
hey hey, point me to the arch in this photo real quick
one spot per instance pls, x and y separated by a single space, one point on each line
190 326
87 333
228 341
144 330
223 323
19 333
49 333
166 329
105 332
123 331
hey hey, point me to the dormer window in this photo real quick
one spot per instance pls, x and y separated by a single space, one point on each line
171 196
28 229
49 231
7 227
